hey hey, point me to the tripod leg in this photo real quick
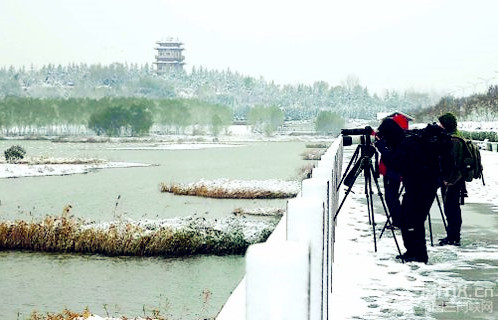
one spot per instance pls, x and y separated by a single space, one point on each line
388 222
369 193
401 189
442 213
345 196
353 159
430 230
385 211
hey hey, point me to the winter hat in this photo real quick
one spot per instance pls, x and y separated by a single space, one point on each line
448 121
401 120
391 131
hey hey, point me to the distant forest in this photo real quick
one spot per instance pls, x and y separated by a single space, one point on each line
227 88
481 107
66 97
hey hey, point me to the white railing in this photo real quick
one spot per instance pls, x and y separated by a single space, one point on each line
290 275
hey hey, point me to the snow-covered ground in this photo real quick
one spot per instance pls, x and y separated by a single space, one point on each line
11 170
251 229
176 146
240 188
56 166
374 285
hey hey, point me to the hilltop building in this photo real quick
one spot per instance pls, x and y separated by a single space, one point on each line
169 56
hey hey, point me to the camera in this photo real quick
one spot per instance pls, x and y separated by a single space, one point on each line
364 132
357 131
365 149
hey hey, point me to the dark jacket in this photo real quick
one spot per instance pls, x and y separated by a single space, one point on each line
410 160
457 152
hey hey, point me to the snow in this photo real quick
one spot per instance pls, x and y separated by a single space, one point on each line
15 170
478 125
176 146
251 229
252 187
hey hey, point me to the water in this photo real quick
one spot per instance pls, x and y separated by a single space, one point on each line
93 195
182 288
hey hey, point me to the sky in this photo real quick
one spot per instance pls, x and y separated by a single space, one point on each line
445 46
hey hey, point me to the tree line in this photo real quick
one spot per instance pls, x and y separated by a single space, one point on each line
238 92
481 107
78 90
110 116
137 117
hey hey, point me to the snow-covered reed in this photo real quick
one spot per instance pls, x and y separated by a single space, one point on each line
235 189
167 238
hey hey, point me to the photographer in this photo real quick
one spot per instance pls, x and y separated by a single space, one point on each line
405 154
454 184
392 179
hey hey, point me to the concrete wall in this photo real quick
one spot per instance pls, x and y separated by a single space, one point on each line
290 275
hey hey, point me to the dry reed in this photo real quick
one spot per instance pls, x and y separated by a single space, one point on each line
64 315
304 172
69 235
318 145
232 189
263 212
313 154
86 314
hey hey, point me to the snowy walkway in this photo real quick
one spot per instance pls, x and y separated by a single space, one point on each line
458 282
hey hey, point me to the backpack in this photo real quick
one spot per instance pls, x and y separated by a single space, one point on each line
436 146
471 165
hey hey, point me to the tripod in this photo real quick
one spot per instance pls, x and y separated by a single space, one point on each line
387 225
361 161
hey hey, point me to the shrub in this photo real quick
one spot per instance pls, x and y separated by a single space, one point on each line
480 135
14 153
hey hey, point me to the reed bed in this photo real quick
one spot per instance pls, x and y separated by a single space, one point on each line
86 314
50 160
64 315
263 212
318 145
235 189
304 172
313 154
131 238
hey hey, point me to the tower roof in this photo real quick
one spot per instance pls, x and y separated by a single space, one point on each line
169 40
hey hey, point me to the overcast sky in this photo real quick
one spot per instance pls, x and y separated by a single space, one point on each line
442 45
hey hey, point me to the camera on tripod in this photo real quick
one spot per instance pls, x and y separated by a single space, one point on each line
365 150
364 160
365 134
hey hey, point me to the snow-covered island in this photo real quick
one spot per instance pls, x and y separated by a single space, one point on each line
33 167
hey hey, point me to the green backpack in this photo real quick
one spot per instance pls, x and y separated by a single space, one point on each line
472 165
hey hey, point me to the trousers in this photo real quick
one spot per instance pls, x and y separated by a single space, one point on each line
452 210
415 207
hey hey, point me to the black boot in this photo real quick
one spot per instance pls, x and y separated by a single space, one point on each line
410 257
448 241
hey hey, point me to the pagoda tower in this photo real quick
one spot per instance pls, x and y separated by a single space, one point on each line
169 56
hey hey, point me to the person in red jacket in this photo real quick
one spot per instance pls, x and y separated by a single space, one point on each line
407 155
392 180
